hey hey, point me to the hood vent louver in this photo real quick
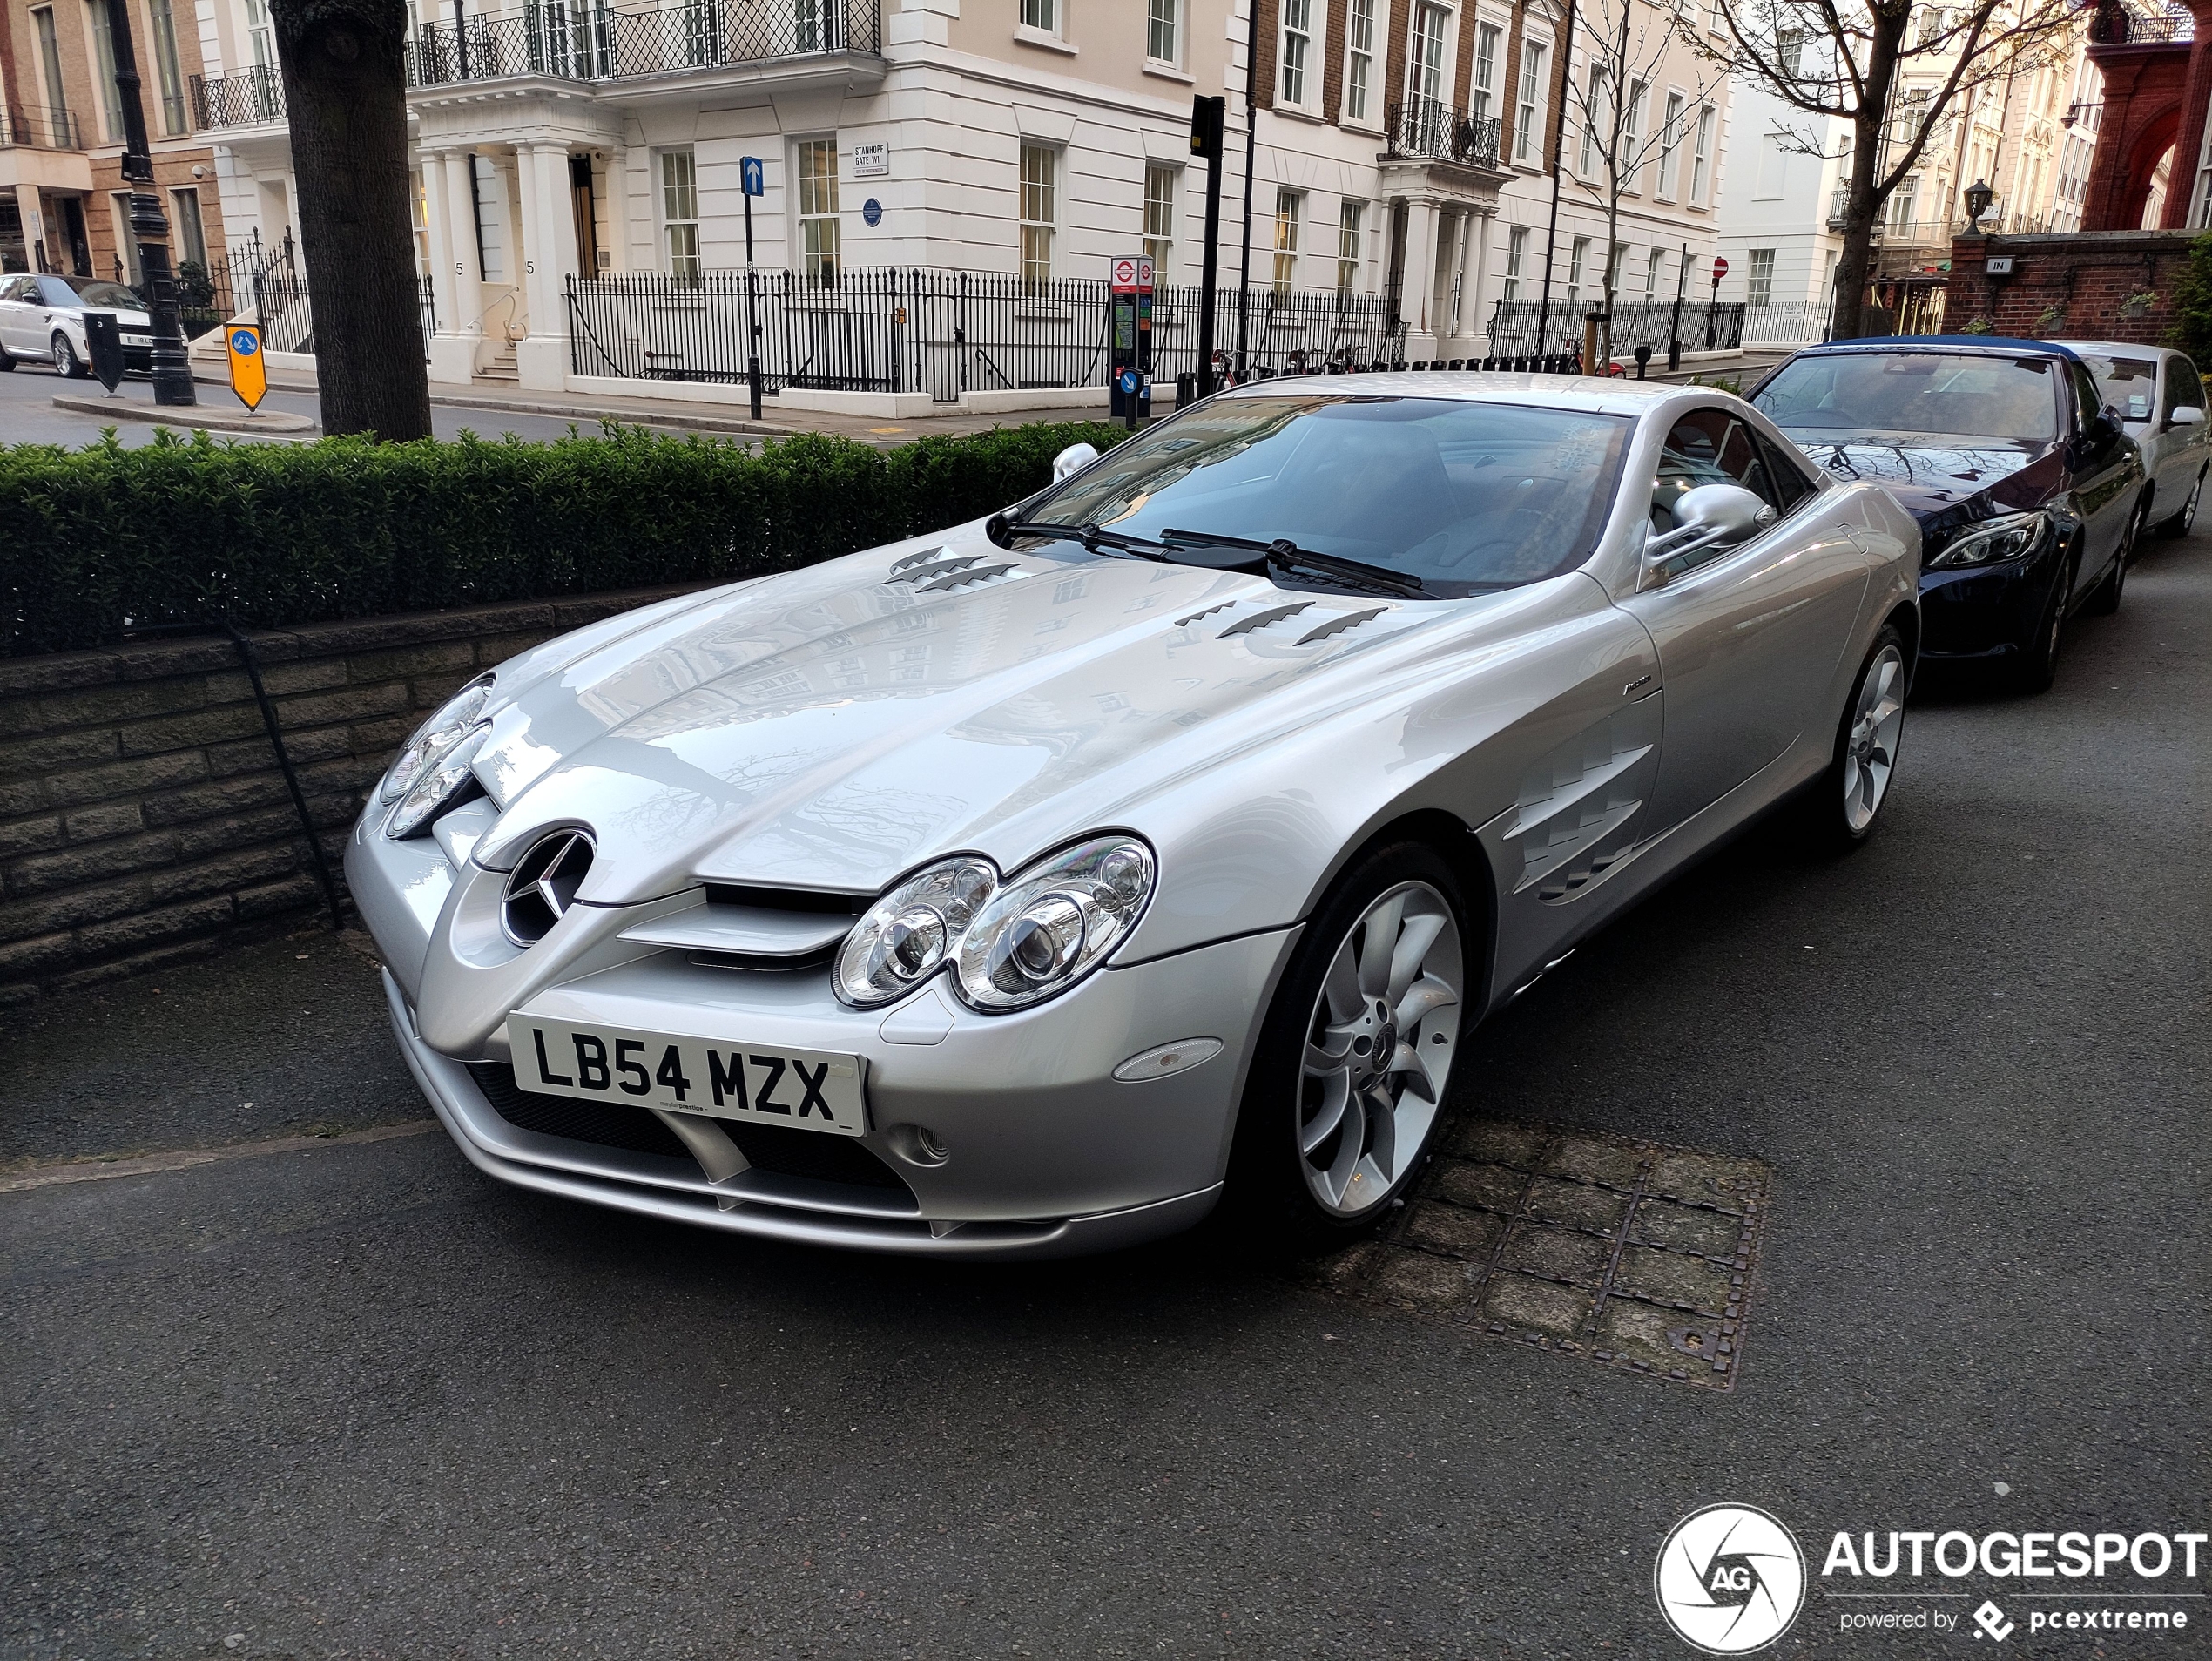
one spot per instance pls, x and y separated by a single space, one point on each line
963 578
1261 619
1185 623
902 570
1338 624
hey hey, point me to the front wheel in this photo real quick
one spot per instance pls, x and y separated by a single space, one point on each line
1846 803
1354 1063
2039 664
2182 522
67 364
2104 599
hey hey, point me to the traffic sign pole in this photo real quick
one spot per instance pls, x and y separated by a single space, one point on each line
1206 119
753 175
1720 270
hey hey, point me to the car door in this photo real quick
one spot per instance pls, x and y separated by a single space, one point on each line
2106 471
2183 449
1749 637
15 314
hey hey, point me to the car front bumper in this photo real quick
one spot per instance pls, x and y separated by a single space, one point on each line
1044 1152
1986 612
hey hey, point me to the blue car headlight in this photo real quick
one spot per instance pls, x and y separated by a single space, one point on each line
2009 536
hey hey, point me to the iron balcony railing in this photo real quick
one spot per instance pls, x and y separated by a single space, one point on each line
588 40
1431 128
945 333
2116 26
251 98
32 128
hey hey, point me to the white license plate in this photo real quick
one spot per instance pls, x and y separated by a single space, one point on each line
767 1083
137 340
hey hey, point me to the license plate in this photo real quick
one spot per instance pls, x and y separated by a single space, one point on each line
137 340
766 1084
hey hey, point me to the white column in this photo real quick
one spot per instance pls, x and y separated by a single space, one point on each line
550 257
34 224
1418 302
1477 325
453 353
440 239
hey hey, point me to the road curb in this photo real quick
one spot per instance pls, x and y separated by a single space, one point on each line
221 420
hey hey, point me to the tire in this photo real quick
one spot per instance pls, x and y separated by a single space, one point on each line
67 364
2104 599
1297 1178
2180 524
7 360
1843 805
2039 658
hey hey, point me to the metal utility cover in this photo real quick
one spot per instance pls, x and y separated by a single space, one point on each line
1631 1253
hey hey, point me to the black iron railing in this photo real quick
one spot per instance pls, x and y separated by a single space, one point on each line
1706 325
1431 128
32 128
251 98
945 333
587 40
2113 25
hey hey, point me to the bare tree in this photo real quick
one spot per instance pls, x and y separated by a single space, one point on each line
1848 60
345 89
1624 48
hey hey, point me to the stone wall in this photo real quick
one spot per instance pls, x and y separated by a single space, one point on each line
143 820
2067 286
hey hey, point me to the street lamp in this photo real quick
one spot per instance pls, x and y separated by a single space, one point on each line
172 369
1978 196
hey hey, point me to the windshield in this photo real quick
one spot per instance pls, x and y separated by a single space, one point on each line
1459 496
107 296
2129 385
1914 392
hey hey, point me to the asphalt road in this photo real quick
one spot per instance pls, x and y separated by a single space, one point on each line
358 1400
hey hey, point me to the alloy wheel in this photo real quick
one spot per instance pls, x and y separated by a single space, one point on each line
1378 1048
64 359
1869 750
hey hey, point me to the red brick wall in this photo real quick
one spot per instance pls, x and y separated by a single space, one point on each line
2067 286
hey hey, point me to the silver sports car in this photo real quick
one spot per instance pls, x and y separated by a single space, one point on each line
1029 888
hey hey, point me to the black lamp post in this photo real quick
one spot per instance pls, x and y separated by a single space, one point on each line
172 369
1978 196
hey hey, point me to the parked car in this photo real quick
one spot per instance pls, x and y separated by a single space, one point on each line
1009 890
2029 492
42 317
2160 398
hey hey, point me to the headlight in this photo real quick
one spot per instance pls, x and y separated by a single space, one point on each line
905 937
434 788
1054 924
1993 540
437 735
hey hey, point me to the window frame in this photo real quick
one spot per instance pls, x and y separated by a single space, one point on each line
107 91
818 246
1701 156
190 226
1516 256
1632 116
1359 64
668 194
1529 102
1758 277
1166 14
1054 13
1159 245
1036 231
1482 74
1351 230
1294 52
1290 212
1671 136
1595 113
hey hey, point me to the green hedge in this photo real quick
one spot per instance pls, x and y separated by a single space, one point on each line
97 541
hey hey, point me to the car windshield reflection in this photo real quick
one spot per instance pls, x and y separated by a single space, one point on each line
1964 395
1459 496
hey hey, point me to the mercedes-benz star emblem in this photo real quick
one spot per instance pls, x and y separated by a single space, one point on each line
542 885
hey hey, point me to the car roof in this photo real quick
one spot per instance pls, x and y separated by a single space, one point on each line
1597 393
1994 345
2122 348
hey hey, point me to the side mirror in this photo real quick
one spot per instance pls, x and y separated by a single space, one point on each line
2185 415
1711 516
1074 459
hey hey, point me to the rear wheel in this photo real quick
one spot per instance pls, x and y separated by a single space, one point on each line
1354 1061
7 360
67 364
1846 803
2180 524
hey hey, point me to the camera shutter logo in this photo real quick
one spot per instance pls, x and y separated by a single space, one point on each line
1730 1579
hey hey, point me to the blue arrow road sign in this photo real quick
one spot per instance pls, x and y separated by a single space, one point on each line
243 344
756 180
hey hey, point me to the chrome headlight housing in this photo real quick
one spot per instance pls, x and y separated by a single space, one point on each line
2008 536
1054 923
909 934
436 736
433 789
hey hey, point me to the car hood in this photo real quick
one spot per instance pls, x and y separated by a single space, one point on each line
834 726
1930 474
122 320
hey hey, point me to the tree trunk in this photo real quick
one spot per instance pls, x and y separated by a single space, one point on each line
1862 202
345 86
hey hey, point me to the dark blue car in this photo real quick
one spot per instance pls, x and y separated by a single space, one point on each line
2029 492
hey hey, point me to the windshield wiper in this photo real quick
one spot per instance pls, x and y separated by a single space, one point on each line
1283 554
1093 538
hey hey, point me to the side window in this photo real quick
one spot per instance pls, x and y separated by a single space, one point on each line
2088 403
1791 484
14 288
2183 387
1711 447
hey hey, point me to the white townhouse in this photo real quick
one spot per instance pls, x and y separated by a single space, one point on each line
937 173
